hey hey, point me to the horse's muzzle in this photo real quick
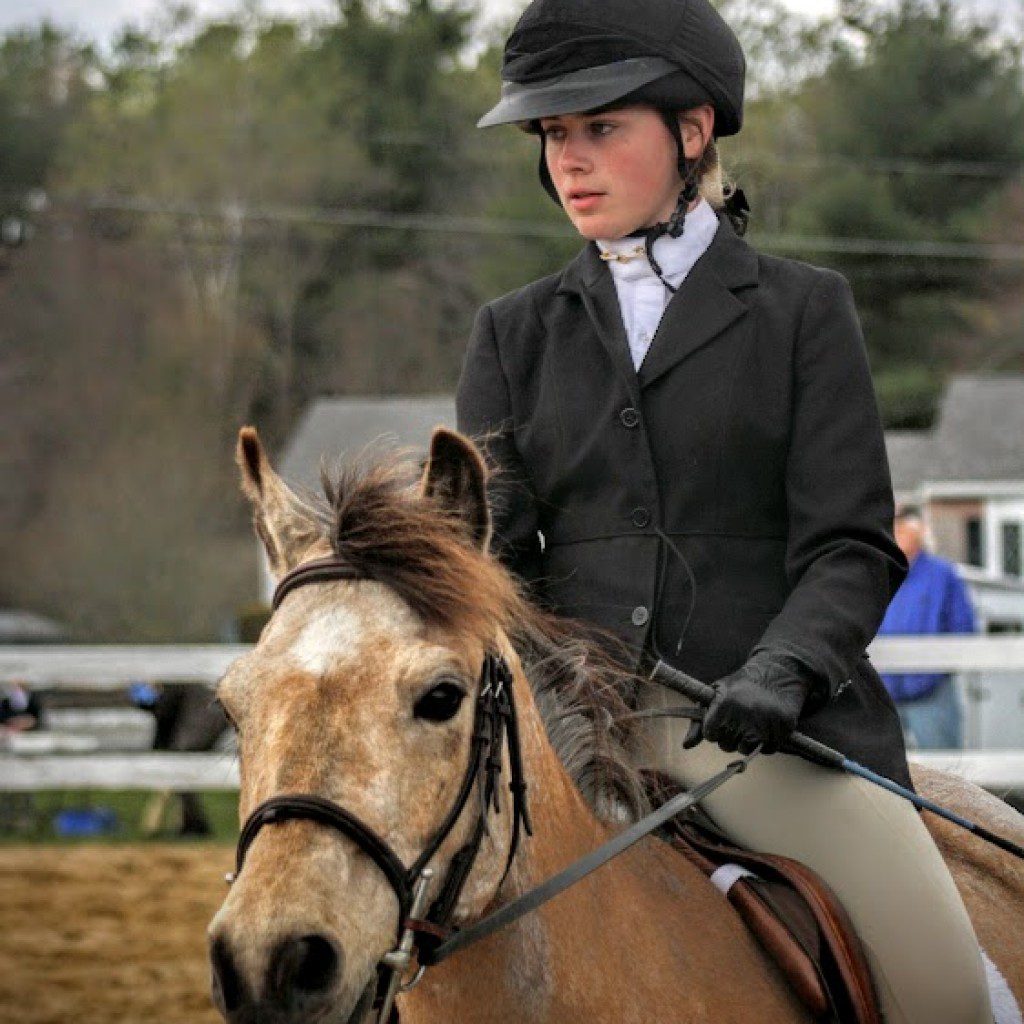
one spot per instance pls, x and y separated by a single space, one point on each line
301 980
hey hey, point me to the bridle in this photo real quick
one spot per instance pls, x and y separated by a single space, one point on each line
430 937
494 724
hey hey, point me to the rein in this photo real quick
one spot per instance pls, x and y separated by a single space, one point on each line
579 869
430 936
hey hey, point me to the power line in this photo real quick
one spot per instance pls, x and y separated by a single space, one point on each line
897 247
987 169
445 224
998 169
380 219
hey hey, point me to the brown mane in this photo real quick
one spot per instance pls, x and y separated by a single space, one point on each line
375 518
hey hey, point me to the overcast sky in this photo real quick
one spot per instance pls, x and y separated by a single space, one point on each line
100 19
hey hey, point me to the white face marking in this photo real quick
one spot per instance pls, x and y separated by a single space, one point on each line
339 629
334 632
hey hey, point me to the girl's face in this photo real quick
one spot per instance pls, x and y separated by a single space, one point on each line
616 172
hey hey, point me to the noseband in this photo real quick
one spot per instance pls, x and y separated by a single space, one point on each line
494 723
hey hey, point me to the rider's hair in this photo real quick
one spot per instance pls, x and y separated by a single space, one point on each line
712 182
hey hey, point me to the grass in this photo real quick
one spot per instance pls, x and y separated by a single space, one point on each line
29 817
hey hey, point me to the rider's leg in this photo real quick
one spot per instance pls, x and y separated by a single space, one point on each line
876 854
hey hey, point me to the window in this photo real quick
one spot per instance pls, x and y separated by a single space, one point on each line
973 544
1011 549
1003 626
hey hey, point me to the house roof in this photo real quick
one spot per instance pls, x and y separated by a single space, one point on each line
980 433
331 428
978 437
909 452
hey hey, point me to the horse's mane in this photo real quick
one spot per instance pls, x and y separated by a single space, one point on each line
373 515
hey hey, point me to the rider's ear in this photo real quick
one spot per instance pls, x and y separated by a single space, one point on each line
456 476
283 522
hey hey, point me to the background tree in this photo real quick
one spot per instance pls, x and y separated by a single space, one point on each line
919 118
246 213
43 83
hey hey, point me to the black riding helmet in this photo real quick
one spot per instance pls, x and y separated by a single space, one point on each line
571 56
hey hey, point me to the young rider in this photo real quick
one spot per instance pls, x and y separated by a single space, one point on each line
691 428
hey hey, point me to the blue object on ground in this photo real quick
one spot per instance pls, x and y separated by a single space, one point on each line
78 822
143 695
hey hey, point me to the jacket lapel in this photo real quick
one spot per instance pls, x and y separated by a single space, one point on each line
705 304
588 277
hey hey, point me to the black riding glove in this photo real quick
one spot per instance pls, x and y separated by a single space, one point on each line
757 705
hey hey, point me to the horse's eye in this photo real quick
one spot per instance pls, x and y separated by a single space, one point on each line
440 703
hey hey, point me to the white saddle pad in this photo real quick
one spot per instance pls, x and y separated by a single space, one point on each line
1004 1006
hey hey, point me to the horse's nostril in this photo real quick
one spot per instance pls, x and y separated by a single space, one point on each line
228 988
309 964
317 965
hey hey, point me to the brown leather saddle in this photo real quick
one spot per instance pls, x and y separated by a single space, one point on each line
792 913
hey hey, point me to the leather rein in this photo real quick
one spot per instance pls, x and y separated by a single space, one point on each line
429 936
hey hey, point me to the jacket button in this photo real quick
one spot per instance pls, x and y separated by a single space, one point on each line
641 516
640 615
629 417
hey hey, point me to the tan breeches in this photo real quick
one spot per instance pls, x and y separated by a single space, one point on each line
874 851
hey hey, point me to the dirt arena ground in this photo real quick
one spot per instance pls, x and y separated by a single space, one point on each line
99 934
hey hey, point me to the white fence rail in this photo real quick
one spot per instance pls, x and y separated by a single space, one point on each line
949 654
22 773
33 763
112 666
998 771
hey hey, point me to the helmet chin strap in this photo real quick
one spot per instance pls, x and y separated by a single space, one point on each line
673 227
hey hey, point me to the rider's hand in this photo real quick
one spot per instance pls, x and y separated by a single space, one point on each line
757 705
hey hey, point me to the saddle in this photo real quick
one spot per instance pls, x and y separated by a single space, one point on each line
792 913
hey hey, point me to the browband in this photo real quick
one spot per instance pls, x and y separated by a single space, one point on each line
320 570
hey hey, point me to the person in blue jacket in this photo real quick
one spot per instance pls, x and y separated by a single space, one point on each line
933 599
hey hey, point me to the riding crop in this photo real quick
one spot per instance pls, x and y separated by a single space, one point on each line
812 750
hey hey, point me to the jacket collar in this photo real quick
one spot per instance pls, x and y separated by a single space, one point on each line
704 306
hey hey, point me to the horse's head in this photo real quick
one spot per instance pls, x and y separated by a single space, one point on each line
361 692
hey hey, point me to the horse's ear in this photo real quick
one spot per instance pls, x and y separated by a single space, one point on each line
283 522
456 476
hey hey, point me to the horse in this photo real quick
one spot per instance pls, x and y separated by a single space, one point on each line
364 693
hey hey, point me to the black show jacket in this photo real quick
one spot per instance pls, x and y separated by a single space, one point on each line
750 436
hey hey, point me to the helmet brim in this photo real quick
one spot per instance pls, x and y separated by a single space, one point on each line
574 92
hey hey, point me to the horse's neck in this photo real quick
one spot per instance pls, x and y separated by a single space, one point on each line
613 948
